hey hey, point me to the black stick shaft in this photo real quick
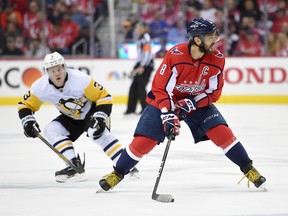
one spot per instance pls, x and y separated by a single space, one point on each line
162 166
77 169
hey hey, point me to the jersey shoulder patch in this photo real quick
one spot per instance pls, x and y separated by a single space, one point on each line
175 51
218 54
179 49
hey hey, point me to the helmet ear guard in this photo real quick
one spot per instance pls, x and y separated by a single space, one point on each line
53 59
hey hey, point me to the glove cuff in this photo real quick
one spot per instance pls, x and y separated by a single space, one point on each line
27 119
194 103
168 116
100 114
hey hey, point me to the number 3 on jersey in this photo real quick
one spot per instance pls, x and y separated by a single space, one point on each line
27 95
162 71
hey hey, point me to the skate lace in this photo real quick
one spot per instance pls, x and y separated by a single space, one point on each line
252 175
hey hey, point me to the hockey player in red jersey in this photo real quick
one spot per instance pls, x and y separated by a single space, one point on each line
185 87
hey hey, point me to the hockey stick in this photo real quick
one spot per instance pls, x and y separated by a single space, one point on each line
162 197
77 169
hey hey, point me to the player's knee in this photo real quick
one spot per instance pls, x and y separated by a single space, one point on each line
142 145
50 132
55 131
98 140
221 135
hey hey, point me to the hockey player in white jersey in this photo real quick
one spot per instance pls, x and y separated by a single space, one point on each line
84 105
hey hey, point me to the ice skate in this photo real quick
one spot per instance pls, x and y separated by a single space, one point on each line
134 173
110 181
69 174
253 176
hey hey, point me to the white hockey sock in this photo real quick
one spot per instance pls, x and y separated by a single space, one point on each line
110 145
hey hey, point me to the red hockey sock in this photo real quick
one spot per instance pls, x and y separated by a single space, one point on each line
142 145
221 136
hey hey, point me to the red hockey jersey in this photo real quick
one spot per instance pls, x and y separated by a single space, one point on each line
180 76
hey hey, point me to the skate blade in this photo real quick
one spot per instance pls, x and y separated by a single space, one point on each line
263 187
100 190
76 178
134 176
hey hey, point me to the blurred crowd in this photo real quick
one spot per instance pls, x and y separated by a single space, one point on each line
245 27
248 27
30 29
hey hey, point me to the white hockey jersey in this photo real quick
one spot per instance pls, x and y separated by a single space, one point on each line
74 99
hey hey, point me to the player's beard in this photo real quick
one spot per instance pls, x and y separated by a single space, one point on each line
206 49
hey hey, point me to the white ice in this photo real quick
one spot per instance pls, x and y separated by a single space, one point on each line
199 177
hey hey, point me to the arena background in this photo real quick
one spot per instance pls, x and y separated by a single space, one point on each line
247 80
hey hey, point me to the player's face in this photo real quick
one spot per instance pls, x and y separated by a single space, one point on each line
57 75
210 41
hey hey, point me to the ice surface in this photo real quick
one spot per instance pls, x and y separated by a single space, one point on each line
201 180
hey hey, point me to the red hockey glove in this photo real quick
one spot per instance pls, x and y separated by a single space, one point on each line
185 107
171 124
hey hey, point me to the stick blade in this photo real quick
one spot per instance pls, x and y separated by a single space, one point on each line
166 198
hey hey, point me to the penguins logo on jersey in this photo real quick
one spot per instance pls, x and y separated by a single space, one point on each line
72 106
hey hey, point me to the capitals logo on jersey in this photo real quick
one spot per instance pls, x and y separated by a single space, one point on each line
191 89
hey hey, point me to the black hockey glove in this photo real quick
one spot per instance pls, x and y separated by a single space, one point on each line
31 127
171 124
98 123
185 106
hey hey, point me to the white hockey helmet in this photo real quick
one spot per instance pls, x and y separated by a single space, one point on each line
53 59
